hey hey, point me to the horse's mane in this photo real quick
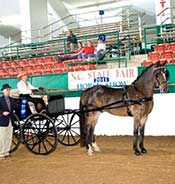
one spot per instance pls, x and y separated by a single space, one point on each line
147 68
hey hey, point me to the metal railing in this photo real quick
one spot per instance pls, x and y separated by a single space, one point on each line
122 42
158 34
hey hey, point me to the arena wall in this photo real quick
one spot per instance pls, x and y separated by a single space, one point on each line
160 121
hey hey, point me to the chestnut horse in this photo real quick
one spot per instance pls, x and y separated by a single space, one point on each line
132 100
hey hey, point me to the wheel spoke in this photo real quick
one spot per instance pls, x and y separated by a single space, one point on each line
73 136
69 133
74 132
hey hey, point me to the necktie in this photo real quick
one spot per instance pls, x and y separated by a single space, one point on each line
8 103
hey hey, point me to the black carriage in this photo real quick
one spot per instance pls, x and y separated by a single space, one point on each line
41 132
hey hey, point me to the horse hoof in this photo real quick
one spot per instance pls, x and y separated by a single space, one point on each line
97 149
137 153
143 150
90 153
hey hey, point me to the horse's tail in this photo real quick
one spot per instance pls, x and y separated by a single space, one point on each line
82 125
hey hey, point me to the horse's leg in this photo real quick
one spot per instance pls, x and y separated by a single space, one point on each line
142 130
135 140
91 120
89 132
141 142
94 143
88 140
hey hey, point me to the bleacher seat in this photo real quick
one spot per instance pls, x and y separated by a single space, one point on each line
49 68
12 72
13 64
171 46
146 63
154 56
49 59
161 47
31 61
23 62
20 69
168 55
59 68
38 69
3 73
92 66
5 64
29 69
40 60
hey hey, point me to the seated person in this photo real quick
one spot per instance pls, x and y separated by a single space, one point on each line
88 50
99 52
25 91
76 55
100 49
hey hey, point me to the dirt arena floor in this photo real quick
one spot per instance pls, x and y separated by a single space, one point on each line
115 164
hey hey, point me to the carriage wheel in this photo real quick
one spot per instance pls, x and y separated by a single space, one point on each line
16 139
68 128
39 134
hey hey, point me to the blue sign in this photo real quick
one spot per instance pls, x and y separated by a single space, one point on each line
101 12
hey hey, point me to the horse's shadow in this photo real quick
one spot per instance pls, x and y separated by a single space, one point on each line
114 151
128 152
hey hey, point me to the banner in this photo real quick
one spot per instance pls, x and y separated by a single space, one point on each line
163 12
109 77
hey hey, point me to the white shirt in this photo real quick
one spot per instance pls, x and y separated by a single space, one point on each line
101 47
25 87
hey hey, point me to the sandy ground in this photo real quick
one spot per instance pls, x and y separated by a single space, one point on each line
115 164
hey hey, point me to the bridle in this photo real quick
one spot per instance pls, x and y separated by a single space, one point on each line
157 78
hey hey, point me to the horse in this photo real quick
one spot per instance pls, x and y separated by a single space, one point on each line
134 100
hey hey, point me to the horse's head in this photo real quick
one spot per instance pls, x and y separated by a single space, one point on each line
160 76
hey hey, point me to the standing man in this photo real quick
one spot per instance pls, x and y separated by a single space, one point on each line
7 106
71 41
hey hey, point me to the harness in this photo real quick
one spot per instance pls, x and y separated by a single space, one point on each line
129 102
125 102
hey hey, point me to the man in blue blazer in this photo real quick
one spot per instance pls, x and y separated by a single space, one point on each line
7 106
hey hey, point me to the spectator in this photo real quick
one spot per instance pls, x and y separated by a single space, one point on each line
71 41
26 90
88 50
76 55
100 49
98 52
7 106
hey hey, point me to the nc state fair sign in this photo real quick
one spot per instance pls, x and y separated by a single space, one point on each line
108 77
